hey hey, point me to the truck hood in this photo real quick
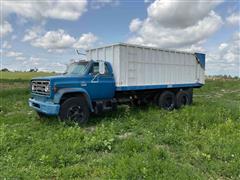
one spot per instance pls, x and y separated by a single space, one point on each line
63 79
58 77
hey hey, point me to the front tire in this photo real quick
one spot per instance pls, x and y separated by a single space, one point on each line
75 109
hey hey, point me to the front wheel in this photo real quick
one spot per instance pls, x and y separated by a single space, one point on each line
75 109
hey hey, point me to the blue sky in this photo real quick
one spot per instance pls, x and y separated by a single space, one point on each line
44 34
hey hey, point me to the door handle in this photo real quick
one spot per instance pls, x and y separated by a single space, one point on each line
95 78
94 81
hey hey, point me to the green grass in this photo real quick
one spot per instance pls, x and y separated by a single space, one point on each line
196 142
22 75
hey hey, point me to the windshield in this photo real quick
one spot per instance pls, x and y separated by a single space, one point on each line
78 68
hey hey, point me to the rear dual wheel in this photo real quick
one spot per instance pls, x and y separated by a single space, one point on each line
168 100
183 98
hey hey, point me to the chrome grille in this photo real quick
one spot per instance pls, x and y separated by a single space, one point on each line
39 87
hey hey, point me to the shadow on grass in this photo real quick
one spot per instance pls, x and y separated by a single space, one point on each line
49 120
123 112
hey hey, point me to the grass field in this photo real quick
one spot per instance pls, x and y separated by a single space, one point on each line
22 75
201 141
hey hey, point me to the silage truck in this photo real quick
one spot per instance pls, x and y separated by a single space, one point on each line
119 74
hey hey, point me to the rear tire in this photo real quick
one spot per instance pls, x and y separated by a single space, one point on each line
166 100
75 109
183 98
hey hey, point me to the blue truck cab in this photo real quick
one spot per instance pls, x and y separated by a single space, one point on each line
72 94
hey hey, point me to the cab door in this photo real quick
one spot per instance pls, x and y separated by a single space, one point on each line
101 86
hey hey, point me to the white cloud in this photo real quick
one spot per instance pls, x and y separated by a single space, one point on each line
6 45
223 46
234 19
59 65
193 48
47 67
54 40
58 40
96 4
35 61
154 34
14 54
135 24
42 64
174 24
32 33
226 58
179 14
66 10
85 41
20 58
5 29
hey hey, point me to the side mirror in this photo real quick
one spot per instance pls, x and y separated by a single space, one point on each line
101 67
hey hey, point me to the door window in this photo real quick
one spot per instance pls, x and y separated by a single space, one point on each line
95 69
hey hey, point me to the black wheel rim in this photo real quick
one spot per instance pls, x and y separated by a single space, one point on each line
75 113
168 103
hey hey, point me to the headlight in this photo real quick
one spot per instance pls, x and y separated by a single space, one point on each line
33 87
47 88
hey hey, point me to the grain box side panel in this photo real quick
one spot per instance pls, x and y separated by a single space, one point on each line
142 66
186 64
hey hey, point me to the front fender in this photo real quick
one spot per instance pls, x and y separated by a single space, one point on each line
61 92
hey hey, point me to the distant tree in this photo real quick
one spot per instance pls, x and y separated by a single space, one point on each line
5 70
33 70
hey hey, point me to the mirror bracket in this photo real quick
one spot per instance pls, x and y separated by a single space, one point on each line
101 67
